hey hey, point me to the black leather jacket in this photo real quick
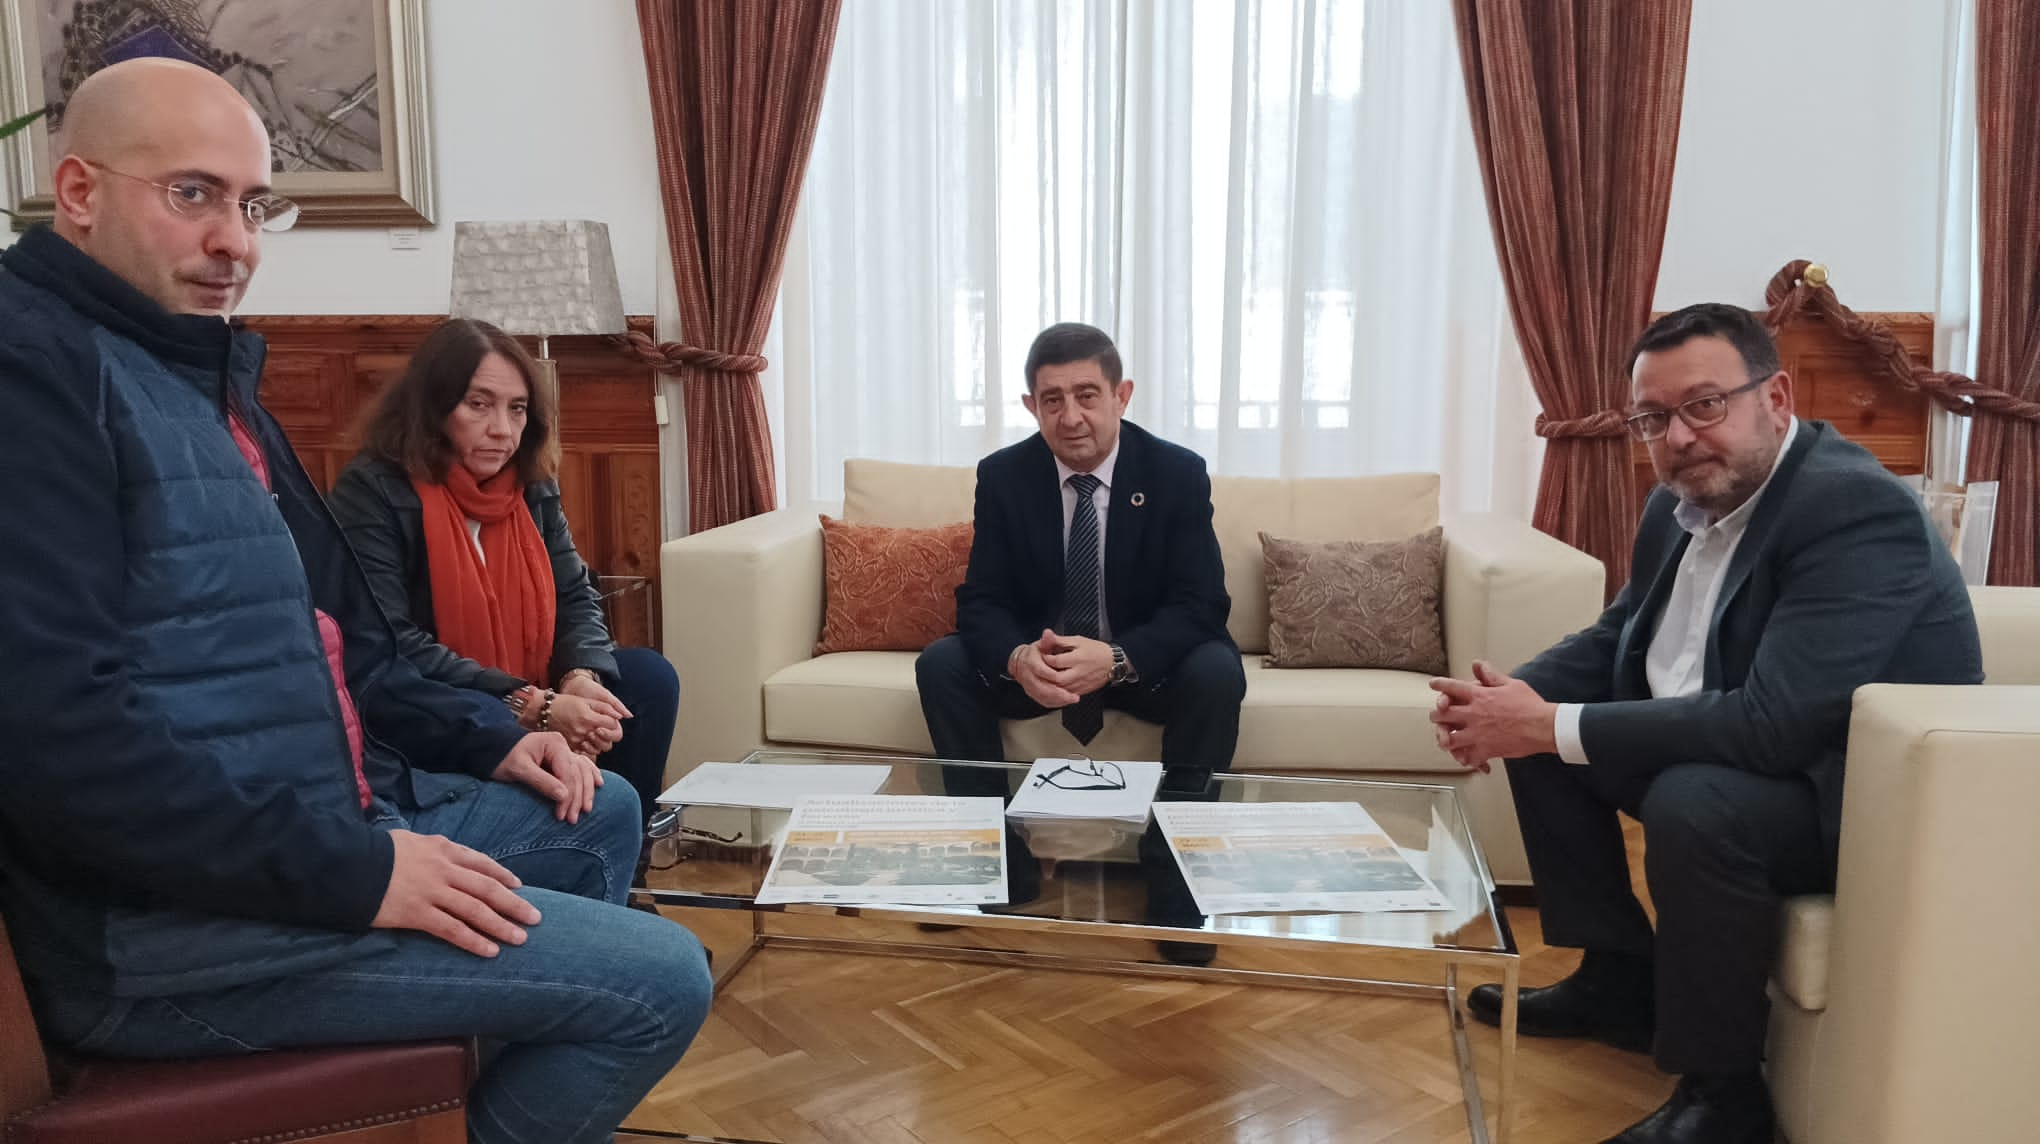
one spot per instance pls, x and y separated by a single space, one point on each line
384 521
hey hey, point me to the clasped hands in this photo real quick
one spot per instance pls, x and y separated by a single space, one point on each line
1056 670
1494 716
587 713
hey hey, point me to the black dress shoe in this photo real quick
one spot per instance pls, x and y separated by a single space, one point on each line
1188 952
1733 1109
1579 1006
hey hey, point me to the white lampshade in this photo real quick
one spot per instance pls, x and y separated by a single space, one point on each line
545 279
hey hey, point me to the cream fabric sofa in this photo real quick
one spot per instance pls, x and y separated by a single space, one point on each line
743 605
1905 1006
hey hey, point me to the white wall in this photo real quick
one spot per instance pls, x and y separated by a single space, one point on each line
1811 129
539 110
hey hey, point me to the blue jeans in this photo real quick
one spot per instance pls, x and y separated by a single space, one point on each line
593 1010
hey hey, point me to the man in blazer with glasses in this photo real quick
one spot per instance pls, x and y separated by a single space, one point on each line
1777 568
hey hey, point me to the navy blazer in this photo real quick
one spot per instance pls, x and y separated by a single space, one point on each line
1164 582
1839 581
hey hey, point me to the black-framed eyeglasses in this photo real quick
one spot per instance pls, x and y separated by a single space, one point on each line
1084 774
1699 413
195 198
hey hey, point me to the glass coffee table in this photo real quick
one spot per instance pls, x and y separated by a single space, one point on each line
1095 879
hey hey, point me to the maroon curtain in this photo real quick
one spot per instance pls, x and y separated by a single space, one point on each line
736 88
2003 448
1575 109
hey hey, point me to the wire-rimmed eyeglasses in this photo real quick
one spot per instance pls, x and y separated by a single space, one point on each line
1699 413
196 198
1084 774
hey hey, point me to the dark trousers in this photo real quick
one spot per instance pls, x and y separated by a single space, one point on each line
648 686
1197 704
1722 848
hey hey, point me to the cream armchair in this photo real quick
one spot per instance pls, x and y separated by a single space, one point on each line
743 606
1905 1006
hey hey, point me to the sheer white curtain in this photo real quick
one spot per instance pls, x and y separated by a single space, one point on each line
1956 292
1272 205
667 394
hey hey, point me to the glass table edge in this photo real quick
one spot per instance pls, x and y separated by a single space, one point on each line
698 900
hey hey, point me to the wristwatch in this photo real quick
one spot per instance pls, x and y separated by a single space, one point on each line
1122 668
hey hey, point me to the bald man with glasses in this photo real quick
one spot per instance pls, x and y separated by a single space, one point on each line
235 817
1777 568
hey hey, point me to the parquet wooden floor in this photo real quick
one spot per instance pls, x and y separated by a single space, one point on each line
806 1046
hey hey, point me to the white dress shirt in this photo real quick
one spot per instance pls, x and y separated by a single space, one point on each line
1676 664
1101 497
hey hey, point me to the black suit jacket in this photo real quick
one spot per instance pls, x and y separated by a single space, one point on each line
1164 582
1839 581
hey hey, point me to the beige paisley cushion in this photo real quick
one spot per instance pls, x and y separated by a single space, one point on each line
1356 603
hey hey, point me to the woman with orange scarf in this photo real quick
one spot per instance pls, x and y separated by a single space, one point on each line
453 509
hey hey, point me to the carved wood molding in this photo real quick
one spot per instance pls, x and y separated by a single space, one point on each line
418 325
1801 285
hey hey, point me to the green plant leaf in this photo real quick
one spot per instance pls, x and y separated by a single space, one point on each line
14 126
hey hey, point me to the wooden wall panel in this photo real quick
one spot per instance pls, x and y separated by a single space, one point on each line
324 371
1833 381
627 510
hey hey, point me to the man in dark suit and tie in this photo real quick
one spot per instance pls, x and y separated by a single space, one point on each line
1777 568
1094 582
1094 578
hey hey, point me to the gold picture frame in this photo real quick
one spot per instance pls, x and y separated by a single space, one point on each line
352 149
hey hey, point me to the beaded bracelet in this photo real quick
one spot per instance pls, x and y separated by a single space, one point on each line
545 711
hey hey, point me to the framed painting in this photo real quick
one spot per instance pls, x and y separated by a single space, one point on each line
339 83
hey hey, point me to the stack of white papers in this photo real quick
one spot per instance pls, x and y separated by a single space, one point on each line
1087 789
769 785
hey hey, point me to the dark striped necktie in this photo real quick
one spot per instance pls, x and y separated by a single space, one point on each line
1086 717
